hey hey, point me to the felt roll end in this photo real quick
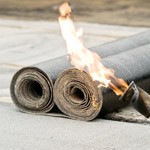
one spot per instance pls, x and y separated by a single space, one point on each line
77 95
31 90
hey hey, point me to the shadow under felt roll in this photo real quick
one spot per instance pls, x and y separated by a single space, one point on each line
74 86
32 87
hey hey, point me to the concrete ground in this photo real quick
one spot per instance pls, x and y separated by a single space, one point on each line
20 131
23 43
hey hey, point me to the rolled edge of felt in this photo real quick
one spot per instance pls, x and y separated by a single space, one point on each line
31 90
77 95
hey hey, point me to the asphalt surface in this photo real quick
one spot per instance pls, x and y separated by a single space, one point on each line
33 132
24 43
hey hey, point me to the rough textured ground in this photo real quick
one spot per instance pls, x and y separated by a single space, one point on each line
23 43
123 12
20 131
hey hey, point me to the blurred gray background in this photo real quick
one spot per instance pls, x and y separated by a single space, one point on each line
120 12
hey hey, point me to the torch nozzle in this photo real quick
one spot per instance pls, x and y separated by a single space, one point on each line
137 98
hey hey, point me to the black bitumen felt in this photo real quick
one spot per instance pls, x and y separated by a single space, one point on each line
133 65
128 64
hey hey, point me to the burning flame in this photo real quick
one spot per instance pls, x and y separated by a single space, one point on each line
82 58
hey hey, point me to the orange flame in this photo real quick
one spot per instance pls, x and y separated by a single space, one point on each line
84 59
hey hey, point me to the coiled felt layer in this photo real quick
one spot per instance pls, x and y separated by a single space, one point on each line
77 95
31 90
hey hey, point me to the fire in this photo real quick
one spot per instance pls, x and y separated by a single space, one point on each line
82 58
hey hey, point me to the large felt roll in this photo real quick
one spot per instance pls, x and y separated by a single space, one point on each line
74 94
32 87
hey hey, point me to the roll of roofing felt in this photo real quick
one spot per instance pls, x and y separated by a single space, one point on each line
77 96
32 87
